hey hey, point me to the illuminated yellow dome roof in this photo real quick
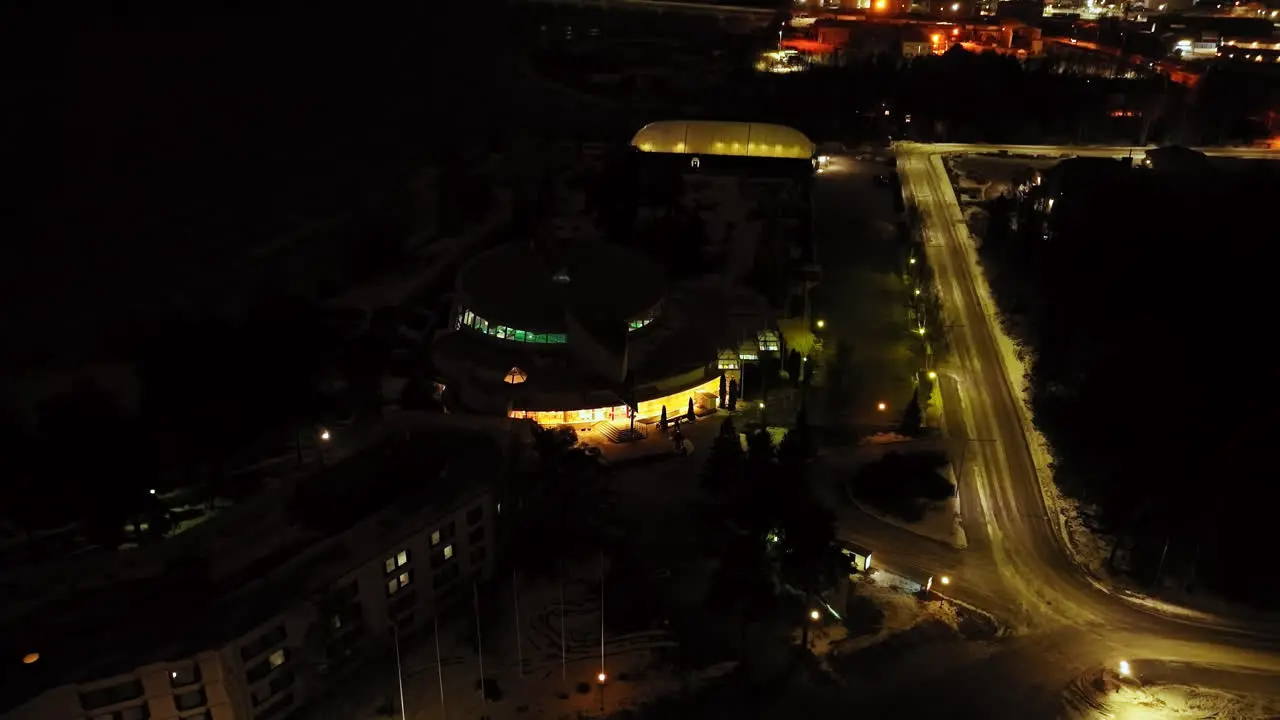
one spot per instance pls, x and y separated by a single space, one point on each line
722 137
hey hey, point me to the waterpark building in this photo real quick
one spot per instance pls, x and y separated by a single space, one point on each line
575 332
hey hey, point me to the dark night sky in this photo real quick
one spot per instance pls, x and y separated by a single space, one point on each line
154 147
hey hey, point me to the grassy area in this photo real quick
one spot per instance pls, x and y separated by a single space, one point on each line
870 354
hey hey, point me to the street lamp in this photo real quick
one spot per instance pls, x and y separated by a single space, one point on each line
324 434
1124 668
912 261
821 324
921 331
945 580
881 407
761 406
933 375
814 615
917 292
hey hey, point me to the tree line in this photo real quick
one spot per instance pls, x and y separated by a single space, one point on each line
1144 322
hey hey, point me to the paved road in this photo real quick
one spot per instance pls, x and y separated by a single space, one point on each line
1018 563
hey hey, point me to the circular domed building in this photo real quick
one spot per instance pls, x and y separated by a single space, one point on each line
573 332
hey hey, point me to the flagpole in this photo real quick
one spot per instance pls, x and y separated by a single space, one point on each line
395 634
475 594
515 594
435 621
564 673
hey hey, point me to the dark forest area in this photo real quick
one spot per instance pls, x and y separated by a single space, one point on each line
1136 300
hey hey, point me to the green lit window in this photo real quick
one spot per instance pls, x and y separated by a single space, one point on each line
539 338
556 338
520 336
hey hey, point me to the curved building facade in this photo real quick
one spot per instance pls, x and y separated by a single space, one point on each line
572 333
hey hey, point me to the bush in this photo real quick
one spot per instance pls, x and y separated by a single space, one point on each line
903 485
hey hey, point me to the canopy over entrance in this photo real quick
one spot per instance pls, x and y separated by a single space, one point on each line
721 137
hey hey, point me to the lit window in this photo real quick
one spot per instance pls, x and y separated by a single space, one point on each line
448 552
393 586
726 364
556 339
276 659
520 336
768 341
435 538
404 578
400 559
539 338
748 356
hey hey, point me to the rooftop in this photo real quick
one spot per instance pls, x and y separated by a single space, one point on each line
524 286
187 608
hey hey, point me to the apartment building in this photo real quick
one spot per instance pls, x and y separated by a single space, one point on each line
359 556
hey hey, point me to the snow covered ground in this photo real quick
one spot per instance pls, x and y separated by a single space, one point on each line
1106 695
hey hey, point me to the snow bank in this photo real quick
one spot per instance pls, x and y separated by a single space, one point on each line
1108 696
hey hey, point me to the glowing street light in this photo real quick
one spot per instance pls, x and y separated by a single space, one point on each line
814 615
821 324
945 580
324 435
761 406
602 677
955 7
933 375
152 491
1124 668
912 261
917 291
881 407
920 330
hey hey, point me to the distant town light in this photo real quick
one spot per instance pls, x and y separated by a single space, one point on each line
822 324
881 407
945 580
814 615
602 677
912 261
152 491
324 435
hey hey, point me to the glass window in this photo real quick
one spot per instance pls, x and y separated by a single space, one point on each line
393 586
468 317
448 552
540 338
276 659
556 338
405 577
402 557
520 336
389 565
435 538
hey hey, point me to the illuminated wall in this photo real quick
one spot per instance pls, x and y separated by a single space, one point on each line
676 404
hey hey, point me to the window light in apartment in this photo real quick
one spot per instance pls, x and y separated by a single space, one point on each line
276 659
435 538
448 551
405 578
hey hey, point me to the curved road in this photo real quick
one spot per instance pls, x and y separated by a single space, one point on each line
1018 563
